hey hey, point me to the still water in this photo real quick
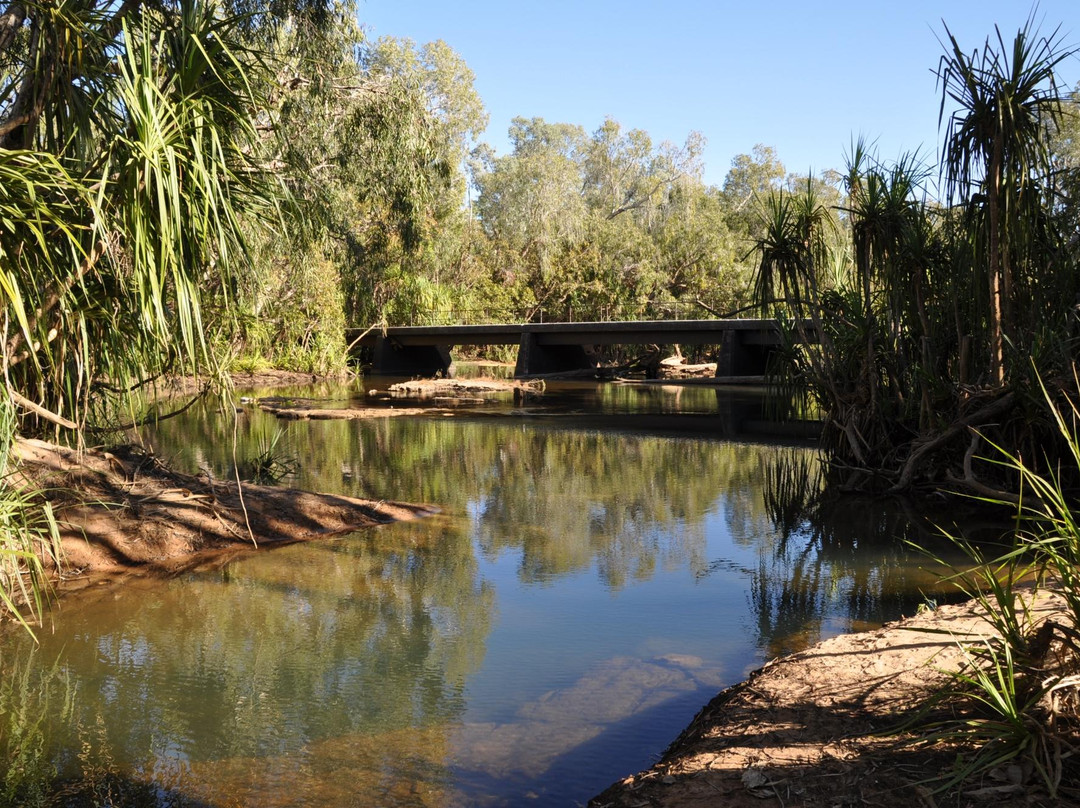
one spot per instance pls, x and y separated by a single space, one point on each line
599 570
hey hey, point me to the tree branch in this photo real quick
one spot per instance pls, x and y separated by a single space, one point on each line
10 23
40 411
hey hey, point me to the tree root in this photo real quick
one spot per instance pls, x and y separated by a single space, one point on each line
979 417
971 483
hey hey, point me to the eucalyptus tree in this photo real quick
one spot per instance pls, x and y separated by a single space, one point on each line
625 173
1066 156
412 166
371 139
750 178
530 203
596 224
446 85
997 142
701 257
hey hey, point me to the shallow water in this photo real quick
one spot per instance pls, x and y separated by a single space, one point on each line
589 584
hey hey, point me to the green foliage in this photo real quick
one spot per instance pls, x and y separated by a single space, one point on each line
927 318
752 177
371 139
29 534
129 212
605 225
1009 105
270 464
130 185
294 317
1016 697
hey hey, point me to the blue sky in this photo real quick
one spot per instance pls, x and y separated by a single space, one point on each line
802 77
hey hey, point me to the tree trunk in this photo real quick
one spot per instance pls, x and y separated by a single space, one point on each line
997 342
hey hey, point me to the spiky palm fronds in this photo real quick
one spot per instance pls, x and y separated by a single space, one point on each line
998 143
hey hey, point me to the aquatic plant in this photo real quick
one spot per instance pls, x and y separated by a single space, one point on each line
271 463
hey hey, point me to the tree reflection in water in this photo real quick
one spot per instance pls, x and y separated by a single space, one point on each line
353 666
838 561
240 680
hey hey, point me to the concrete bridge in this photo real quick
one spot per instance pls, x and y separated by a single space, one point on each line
545 348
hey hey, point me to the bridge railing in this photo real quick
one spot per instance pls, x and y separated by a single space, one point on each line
677 310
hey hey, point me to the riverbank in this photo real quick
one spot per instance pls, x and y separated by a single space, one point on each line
817 728
122 513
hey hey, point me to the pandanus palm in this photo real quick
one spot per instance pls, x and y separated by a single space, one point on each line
131 175
791 247
124 140
884 211
998 139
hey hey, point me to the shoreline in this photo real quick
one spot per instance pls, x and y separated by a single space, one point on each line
123 514
825 726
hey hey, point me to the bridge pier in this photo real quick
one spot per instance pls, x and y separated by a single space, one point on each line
536 359
742 353
394 359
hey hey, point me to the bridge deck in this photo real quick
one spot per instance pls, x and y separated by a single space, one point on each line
663 332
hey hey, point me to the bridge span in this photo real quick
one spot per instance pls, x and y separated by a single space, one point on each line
545 348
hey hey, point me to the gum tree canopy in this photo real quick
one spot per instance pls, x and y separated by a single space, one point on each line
126 143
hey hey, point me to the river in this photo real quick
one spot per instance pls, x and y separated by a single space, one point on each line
605 561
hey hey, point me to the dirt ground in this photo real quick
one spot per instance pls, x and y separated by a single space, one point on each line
122 512
814 729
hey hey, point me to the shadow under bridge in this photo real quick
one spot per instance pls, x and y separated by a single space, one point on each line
550 348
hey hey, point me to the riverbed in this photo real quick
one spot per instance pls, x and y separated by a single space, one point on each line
605 560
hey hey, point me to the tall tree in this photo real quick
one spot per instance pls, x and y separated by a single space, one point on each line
1009 105
372 139
750 178
624 172
531 200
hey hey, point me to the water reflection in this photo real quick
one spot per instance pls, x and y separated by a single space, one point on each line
582 594
839 562
579 725
264 660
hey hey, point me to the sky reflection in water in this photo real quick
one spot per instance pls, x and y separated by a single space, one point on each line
582 594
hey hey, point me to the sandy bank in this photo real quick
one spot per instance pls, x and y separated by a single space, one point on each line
812 729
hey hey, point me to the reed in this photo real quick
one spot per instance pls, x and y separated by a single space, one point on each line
1015 700
29 536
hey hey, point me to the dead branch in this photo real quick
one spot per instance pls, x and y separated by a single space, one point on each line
40 411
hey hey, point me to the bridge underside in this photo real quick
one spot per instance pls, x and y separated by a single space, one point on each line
393 359
552 348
